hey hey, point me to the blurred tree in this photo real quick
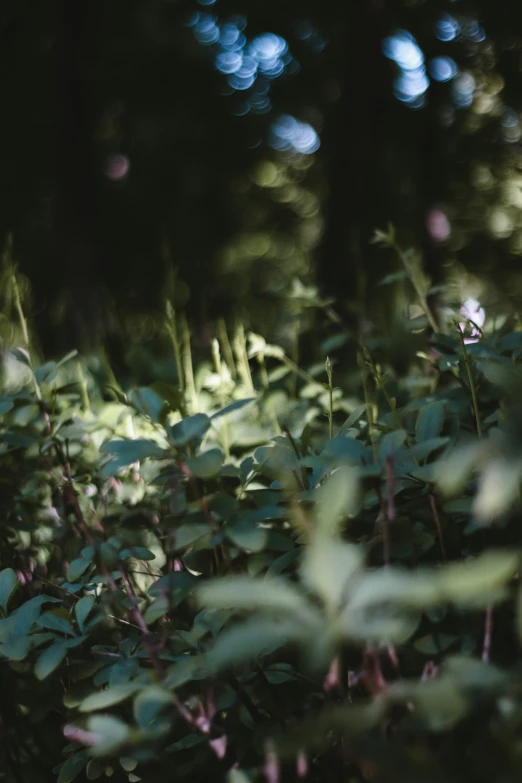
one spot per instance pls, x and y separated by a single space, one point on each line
135 152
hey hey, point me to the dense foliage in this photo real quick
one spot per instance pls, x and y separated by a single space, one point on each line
253 575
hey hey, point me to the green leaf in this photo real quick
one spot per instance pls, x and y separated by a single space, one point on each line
337 499
176 585
395 586
71 768
206 465
148 704
171 394
434 644
109 697
112 733
253 639
128 763
354 416
243 593
56 622
454 469
77 568
430 421
8 584
189 430
82 609
23 618
190 741
478 581
6 405
439 703
130 451
21 355
189 533
247 536
50 659
498 489
157 609
328 565
278 462
391 443
137 552
190 667
281 563
16 649
426 447
148 402
233 406
348 450
94 769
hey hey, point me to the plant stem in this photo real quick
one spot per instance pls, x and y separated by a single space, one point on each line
19 310
421 296
173 334
222 401
488 632
226 347
472 386
369 407
433 505
187 365
330 393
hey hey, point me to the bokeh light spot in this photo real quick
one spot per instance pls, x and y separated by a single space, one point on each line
447 28
442 69
289 134
116 167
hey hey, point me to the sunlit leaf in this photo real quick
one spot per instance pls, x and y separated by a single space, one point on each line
337 499
498 489
477 581
111 732
454 469
328 566
233 406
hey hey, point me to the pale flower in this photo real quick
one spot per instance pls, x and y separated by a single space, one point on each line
475 316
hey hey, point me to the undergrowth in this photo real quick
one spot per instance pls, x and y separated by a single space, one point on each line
221 579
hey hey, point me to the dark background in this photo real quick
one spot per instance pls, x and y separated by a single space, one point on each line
134 170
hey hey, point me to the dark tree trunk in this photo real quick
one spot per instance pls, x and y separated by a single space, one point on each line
79 250
355 133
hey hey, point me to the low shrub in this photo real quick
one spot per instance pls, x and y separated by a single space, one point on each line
226 581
